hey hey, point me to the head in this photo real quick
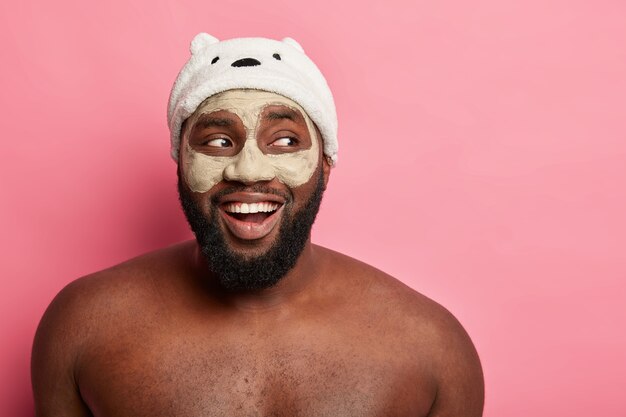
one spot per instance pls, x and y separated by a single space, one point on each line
252 169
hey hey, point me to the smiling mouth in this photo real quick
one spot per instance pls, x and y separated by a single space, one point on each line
251 212
251 220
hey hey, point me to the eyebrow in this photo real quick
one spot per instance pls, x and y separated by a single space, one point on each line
282 114
208 121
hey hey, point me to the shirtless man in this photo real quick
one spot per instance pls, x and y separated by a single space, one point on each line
251 318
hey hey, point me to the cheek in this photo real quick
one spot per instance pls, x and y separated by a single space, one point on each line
201 171
297 168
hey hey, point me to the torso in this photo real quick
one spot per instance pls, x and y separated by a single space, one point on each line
159 350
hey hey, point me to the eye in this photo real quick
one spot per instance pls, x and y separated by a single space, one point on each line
218 143
214 60
285 142
276 56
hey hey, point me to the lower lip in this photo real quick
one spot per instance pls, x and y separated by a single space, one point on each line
251 231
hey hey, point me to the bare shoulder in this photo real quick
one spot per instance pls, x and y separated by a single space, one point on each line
133 281
86 309
428 331
90 305
93 297
388 295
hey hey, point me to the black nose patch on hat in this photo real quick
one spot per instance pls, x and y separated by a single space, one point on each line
245 62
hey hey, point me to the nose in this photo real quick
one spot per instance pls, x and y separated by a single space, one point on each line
250 166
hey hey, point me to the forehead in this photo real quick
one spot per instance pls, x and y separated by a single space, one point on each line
245 103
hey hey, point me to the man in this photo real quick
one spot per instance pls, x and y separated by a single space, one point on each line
251 318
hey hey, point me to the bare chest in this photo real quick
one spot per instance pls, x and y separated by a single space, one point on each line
231 375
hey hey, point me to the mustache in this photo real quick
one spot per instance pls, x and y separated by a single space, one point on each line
255 188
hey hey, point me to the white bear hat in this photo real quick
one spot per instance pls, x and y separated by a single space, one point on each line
280 67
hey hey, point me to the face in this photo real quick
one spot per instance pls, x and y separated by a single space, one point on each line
251 178
249 136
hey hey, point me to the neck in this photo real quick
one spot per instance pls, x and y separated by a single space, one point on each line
288 289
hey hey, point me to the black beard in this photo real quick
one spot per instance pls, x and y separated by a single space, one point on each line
237 273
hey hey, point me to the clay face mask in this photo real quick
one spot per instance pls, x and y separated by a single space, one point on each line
203 171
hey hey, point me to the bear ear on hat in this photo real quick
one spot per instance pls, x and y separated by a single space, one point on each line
293 43
201 41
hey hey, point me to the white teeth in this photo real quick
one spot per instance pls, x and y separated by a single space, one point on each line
262 207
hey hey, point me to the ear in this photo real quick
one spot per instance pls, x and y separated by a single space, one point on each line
326 168
201 41
182 137
293 43
326 162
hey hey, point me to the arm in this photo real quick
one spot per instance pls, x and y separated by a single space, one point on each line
460 388
54 357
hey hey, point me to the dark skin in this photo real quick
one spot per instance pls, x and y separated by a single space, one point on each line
157 336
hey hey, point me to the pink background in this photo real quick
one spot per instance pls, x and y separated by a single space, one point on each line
482 162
